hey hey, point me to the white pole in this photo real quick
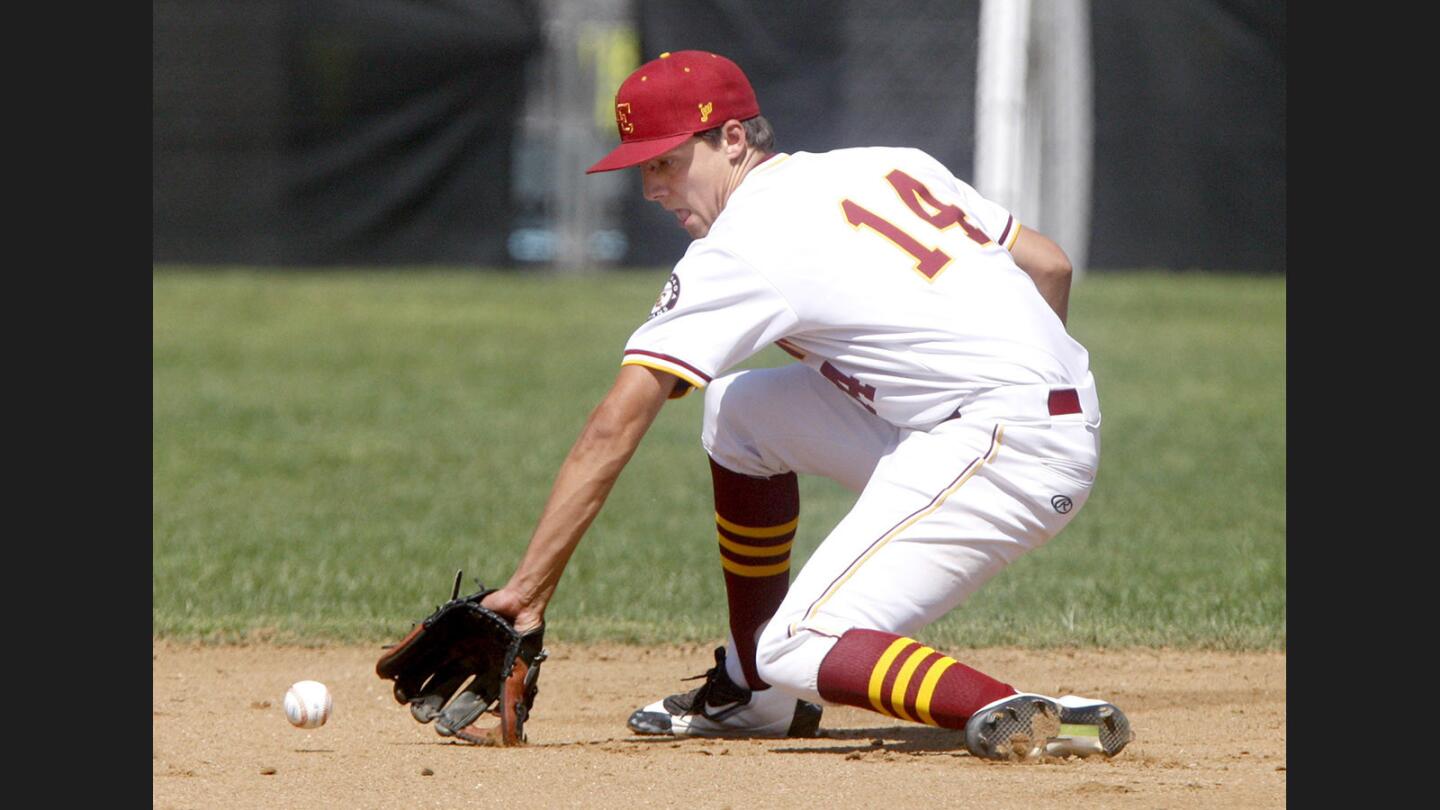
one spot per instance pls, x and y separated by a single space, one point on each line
1001 72
1068 143
1034 119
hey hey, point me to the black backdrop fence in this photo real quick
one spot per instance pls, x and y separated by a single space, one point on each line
329 132
383 132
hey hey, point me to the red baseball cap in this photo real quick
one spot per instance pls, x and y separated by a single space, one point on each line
667 100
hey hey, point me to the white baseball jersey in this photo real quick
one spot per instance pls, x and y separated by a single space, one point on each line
878 268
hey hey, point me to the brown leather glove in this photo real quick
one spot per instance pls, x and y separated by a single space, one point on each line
458 640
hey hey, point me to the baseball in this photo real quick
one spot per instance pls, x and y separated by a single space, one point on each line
307 704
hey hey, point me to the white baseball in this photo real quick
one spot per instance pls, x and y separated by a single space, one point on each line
308 704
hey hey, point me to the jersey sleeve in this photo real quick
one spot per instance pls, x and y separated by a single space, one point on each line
993 218
713 312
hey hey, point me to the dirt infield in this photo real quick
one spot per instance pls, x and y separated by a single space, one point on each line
1210 732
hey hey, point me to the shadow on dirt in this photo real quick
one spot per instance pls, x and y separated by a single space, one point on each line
899 739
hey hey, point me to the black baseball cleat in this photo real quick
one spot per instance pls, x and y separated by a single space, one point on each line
1028 725
722 708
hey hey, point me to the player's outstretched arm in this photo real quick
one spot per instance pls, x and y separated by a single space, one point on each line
606 444
1047 265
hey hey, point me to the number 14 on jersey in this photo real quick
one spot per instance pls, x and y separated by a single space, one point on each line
929 261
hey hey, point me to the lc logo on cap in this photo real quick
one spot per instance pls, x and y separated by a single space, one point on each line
655 108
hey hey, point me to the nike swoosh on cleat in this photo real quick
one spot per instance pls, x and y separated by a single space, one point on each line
720 711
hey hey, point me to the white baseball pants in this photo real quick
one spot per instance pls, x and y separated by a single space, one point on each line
939 512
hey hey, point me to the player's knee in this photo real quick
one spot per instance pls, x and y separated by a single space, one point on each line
714 396
791 662
724 433
770 652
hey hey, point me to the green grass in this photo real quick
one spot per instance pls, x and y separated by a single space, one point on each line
328 448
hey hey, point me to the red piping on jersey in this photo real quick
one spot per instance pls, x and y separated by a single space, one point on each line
677 361
1005 234
790 349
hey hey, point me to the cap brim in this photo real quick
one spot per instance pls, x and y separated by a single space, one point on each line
634 153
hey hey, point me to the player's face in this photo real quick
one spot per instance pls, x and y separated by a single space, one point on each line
689 181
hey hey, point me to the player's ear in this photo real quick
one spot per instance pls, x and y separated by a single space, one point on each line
734 138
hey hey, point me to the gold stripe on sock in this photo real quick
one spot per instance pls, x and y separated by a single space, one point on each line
755 551
877 675
754 570
902 682
927 689
758 532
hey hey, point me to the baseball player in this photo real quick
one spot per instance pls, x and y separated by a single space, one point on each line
934 377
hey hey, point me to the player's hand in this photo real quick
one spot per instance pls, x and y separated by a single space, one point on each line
508 603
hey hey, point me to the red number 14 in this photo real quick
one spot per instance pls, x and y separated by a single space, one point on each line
929 261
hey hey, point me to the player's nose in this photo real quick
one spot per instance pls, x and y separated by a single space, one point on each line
651 186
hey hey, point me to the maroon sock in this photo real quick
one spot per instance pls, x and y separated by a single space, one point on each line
756 519
901 677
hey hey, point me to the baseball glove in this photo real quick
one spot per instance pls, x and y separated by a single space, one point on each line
459 640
